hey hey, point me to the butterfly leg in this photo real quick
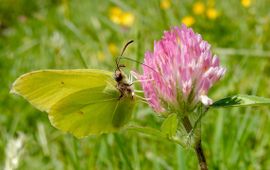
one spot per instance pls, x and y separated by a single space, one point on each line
131 76
138 91
121 95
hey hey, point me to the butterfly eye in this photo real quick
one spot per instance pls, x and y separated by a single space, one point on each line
118 77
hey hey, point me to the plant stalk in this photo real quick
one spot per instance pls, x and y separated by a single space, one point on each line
198 146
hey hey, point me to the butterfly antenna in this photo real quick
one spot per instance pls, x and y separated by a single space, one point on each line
124 49
130 59
117 60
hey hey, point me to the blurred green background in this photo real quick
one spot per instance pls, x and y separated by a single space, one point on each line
61 34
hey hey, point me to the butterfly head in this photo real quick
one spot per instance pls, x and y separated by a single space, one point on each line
118 75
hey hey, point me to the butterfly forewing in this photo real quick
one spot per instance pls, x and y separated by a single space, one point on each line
46 87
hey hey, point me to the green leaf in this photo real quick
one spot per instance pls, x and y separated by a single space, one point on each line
147 131
241 100
169 126
156 133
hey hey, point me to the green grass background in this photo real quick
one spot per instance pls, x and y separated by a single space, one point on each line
56 34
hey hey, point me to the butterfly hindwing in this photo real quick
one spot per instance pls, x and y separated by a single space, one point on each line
91 111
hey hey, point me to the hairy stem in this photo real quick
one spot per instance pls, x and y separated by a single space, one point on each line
198 146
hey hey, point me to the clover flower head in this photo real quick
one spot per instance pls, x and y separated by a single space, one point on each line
179 72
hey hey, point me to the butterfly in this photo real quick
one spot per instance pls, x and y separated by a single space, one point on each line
80 101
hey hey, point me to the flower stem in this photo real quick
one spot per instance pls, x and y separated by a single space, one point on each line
200 156
198 146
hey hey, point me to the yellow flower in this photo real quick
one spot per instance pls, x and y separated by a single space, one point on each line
198 8
188 21
246 3
100 56
115 14
165 4
212 13
113 49
127 19
120 17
